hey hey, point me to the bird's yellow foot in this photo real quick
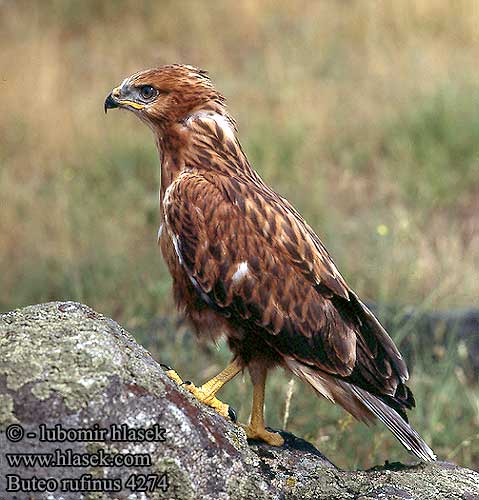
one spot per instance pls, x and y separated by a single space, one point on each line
261 434
203 395
208 399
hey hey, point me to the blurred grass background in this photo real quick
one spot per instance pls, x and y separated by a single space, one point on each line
363 113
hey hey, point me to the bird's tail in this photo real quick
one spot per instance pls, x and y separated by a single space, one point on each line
363 406
403 431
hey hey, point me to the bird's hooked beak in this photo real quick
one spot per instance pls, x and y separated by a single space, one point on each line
114 100
110 103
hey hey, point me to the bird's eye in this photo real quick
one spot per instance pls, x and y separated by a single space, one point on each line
148 92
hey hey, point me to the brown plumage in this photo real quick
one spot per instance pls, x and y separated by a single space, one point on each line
245 263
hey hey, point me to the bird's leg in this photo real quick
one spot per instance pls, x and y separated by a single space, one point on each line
206 393
256 429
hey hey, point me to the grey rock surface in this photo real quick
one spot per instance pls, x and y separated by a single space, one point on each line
65 366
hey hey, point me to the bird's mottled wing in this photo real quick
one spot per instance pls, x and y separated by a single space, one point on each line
253 259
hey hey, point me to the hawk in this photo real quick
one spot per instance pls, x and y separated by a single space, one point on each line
246 264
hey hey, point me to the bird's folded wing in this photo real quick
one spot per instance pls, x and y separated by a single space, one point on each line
253 258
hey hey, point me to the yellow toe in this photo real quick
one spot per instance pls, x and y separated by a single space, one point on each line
174 376
206 398
261 434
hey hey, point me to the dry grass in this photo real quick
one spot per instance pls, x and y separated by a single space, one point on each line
364 114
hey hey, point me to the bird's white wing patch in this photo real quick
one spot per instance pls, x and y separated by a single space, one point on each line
241 272
176 244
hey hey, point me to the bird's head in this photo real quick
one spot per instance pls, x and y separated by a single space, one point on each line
165 95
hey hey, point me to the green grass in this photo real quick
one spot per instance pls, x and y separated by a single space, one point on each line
433 149
365 117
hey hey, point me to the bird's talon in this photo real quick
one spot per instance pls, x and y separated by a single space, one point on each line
165 367
186 382
232 414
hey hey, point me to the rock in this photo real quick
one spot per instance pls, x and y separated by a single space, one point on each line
67 368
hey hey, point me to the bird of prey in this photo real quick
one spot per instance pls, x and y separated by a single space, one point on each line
246 264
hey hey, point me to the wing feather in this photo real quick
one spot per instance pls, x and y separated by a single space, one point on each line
292 293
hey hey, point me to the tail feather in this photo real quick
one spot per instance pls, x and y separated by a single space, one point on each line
364 406
407 436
